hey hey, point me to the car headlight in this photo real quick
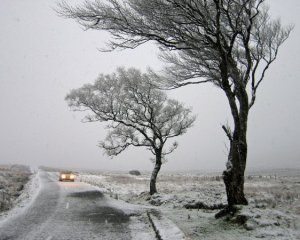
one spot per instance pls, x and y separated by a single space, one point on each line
63 176
72 176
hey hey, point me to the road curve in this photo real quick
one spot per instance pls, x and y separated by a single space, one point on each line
67 211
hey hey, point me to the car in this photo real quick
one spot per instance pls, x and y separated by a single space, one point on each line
66 176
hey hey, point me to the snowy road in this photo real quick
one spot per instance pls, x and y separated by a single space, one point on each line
67 210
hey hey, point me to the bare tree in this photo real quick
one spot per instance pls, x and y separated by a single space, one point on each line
230 43
138 114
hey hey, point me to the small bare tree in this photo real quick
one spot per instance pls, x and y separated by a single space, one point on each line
138 114
230 43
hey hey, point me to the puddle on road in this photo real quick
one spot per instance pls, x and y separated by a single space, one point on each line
88 194
95 213
106 215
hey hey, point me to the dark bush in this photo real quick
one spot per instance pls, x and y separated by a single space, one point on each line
135 172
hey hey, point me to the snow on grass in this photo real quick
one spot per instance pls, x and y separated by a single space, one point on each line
12 180
117 185
273 211
25 196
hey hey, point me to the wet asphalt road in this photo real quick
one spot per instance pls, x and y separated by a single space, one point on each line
67 211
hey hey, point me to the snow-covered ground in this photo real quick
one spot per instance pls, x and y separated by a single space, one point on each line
19 185
191 201
20 199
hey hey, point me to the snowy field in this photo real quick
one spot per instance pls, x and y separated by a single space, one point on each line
13 179
19 185
192 200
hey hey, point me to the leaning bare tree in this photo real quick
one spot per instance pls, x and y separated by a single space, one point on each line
138 114
230 43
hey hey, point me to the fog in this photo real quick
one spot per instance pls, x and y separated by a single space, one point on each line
44 56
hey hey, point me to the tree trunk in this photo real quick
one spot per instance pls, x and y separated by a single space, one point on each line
237 97
236 165
234 176
155 171
235 168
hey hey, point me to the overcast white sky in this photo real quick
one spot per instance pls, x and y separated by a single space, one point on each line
43 56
